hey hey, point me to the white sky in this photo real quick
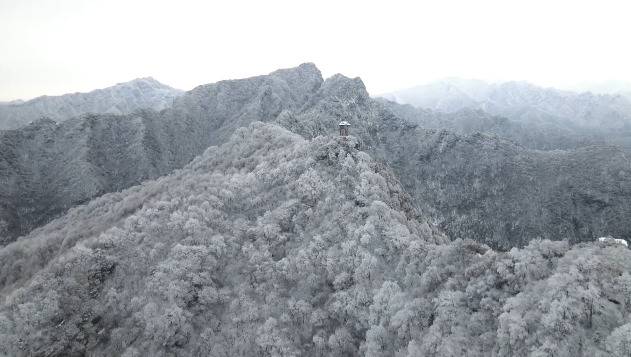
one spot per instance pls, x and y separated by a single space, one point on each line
55 47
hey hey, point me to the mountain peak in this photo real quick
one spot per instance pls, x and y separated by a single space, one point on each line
308 67
304 73
149 82
341 86
142 79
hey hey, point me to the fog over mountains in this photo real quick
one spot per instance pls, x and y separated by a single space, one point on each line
121 98
519 100
237 222
612 87
559 119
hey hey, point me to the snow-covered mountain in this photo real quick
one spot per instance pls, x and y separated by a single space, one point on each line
477 186
47 167
520 101
446 96
536 117
268 234
121 98
275 245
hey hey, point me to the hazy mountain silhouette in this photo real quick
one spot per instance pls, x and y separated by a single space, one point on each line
121 98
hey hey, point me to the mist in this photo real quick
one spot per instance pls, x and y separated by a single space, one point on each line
56 47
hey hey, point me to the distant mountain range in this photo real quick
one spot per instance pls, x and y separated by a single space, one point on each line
519 101
121 98
539 118
544 135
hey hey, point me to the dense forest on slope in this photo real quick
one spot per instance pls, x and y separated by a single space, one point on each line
46 168
122 98
473 186
490 190
480 186
273 245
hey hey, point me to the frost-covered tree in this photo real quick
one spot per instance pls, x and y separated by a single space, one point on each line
275 245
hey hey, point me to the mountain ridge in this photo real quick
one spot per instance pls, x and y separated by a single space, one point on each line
493 177
559 119
47 168
496 97
121 98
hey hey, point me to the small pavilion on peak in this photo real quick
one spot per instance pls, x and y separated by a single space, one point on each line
344 128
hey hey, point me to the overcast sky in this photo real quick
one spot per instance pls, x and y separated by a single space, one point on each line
55 47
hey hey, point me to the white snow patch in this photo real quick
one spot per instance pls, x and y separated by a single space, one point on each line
613 240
